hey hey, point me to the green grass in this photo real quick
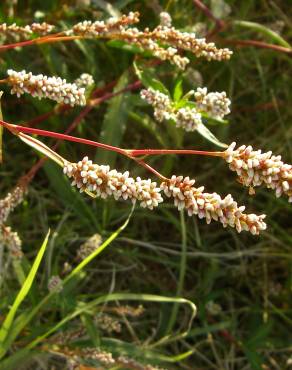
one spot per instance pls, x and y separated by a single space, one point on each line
171 264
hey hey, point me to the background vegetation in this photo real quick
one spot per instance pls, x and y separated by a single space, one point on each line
241 284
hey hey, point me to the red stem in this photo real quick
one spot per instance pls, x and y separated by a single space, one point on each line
258 44
132 153
56 135
39 40
149 168
209 14
65 108
138 152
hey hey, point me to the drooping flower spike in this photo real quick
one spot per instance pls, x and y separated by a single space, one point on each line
211 206
25 31
164 41
255 168
103 182
40 86
215 104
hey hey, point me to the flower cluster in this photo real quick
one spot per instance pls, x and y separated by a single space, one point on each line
55 284
104 28
14 30
91 245
12 241
54 88
160 102
103 182
211 206
165 19
8 237
85 80
215 104
12 200
108 324
255 168
164 41
188 119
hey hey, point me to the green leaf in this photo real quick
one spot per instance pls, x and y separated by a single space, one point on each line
148 80
254 358
114 123
274 36
5 328
214 121
122 45
204 131
24 318
178 90
116 297
42 148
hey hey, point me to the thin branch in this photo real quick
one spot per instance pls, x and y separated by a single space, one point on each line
258 44
147 152
219 23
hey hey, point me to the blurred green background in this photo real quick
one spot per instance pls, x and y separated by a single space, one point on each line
240 283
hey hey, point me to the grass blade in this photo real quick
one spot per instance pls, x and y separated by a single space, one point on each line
4 331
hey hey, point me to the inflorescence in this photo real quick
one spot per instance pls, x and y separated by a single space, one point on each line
8 237
211 206
25 31
54 88
215 104
165 42
103 182
255 168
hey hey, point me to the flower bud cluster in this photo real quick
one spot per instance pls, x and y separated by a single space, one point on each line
85 80
104 28
255 168
11 240
188 118
160 102
189 41
14 30
91 245
164 41
54 88
108 324
55 284
103 182
11 201
97 354
211 206
216 104
165 19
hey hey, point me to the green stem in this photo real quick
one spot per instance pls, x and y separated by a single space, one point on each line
264 30
182 270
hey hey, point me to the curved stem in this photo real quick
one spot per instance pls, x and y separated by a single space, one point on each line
132 153
56 135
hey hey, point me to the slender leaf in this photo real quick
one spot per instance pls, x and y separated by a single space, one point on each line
149 81
204 131
4 331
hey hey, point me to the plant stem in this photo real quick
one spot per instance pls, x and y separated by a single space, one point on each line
56 135
147 152
131 153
